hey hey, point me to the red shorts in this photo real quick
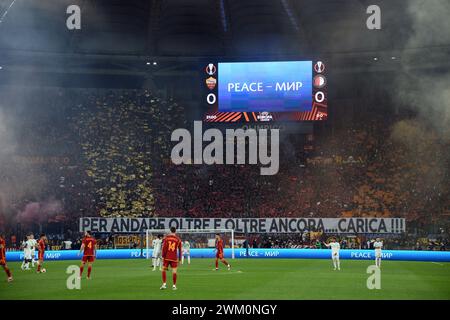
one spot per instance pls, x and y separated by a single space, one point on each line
88 259
219 255
2 262
172 264
41 256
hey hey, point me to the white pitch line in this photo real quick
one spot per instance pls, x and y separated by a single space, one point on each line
441 264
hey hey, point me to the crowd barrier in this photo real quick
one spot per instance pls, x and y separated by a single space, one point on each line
399 255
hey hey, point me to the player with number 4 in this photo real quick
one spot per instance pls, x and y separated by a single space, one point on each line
89 252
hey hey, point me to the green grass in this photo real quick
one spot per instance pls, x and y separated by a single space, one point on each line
248 279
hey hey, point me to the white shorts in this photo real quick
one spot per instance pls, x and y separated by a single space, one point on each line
335 255
377 254
156 254
186 253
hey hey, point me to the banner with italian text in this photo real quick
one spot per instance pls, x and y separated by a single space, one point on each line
247 225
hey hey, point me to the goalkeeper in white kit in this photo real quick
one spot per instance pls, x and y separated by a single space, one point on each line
335 247
378 244
186 252
156 255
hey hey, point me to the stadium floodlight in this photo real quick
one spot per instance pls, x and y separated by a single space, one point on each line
149 233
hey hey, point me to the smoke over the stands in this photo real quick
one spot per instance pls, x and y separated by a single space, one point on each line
427 93
7 147
19 180
22 182
40 211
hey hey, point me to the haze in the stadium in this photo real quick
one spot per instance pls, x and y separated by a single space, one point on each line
220 151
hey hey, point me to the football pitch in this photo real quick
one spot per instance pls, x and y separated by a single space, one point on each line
257 279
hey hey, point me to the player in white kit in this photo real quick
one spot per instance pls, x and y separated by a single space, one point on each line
335 247
156 255
33 243
26 245
377 245
186 252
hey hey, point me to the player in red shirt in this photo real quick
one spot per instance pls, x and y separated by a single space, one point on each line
171 244
219 253
3 257
89 252
41 250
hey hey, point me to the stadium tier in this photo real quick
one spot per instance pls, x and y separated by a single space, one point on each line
224 149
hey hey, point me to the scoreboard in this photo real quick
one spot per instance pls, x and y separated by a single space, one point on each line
265 91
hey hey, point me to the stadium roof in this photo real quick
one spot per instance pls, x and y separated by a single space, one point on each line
202 27
119 35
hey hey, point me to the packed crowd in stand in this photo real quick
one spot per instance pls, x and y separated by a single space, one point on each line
86 152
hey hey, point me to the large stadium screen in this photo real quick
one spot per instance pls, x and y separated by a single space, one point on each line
265 91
